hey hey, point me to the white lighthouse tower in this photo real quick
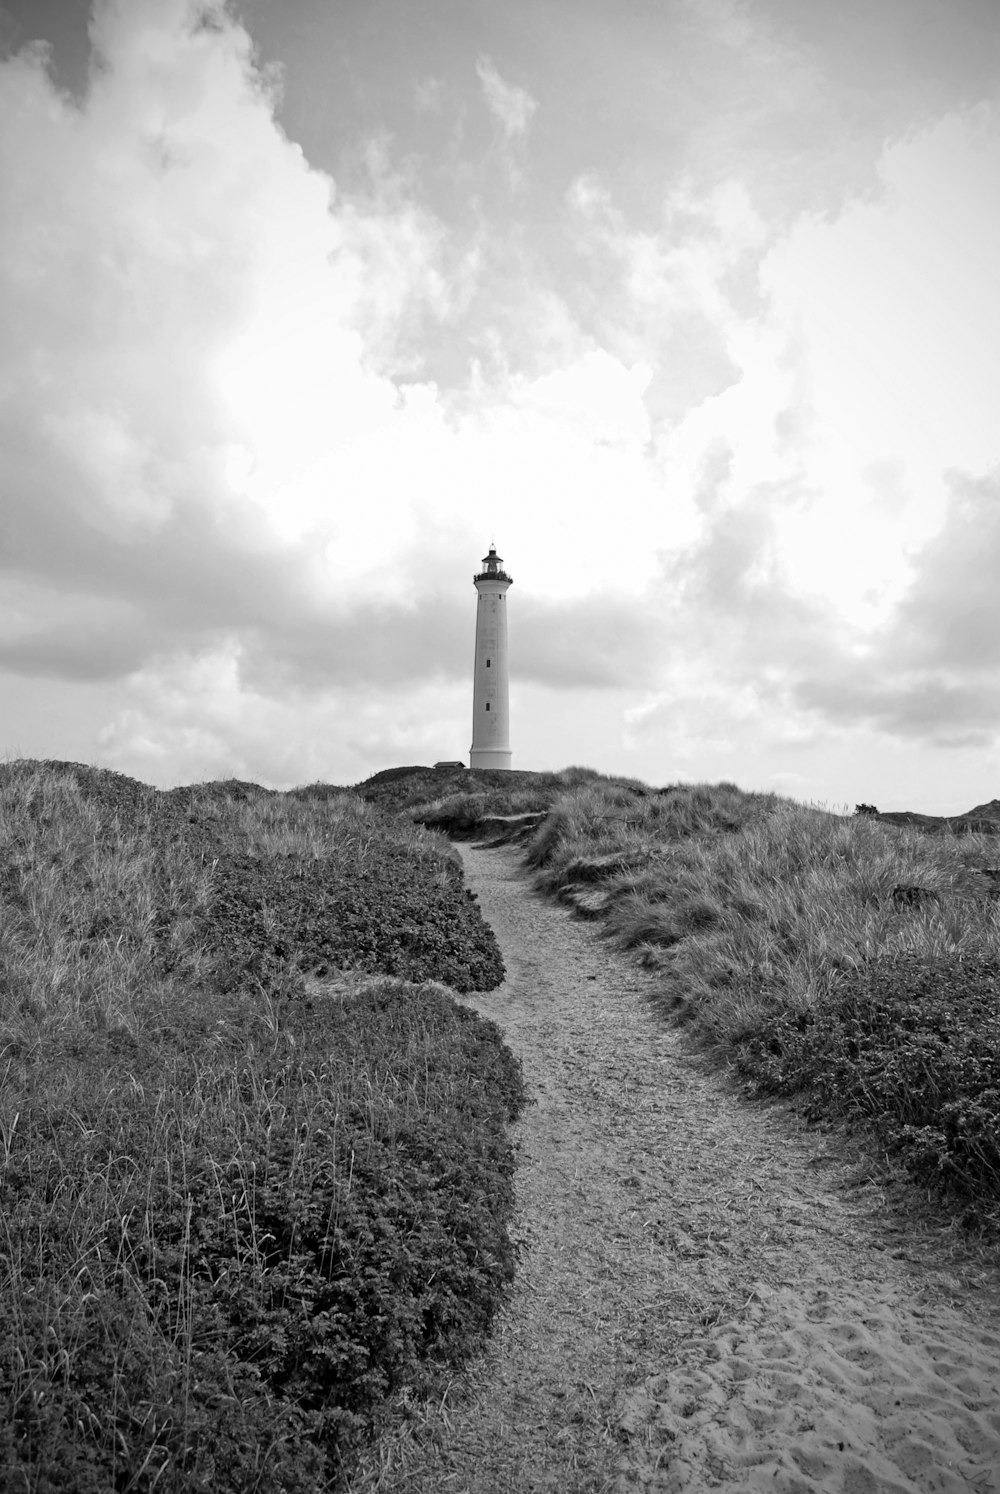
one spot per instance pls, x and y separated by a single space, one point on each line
490 706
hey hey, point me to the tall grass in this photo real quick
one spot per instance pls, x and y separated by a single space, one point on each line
338 826
730 894
83 895
472 797
771 923
231 1224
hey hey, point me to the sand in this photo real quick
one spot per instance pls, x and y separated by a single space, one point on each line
827 1389
713 1294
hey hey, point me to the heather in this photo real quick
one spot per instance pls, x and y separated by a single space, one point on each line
255 1172
847 961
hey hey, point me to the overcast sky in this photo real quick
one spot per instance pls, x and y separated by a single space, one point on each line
692 306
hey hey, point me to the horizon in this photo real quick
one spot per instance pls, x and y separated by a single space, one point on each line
844 811
692 312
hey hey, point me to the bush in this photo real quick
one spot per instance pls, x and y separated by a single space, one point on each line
236 1215
267 918
253 1234
914 1048
109 889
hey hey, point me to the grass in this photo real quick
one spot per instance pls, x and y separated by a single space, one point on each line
238 1210
777 939
254 1172
457 801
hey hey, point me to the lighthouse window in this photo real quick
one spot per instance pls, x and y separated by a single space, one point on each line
487 663
487 705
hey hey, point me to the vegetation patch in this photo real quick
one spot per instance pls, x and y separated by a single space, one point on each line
846 960
463 803
240 1208
913 1047
265 917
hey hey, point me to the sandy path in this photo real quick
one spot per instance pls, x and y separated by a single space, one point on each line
712 1294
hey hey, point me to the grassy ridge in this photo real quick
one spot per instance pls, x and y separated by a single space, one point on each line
237 1212
456 801
777 937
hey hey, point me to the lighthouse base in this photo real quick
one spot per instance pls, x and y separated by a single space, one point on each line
489 757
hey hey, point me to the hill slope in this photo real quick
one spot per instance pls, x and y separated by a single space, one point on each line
256 1166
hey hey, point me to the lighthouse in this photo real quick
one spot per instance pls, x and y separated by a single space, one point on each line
490 707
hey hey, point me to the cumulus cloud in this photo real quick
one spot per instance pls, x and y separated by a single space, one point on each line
676 295
600 641
841 576
932 672
193 369
950 616
910 706
207 716
134 250
762 657
388 686
187 318
711 444
201 434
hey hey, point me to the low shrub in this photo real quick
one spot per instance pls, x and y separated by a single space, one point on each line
455 814
265 919
913 1046
236 1214
220 1257
108 888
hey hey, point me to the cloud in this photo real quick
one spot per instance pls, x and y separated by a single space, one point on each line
65 634
428 95
207 426
193 329
949 618
207 717
841 575
511 106
932 672
601 641
937 712
595 395
256 428
675 296
762 654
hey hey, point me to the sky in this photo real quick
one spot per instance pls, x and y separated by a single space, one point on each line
690 306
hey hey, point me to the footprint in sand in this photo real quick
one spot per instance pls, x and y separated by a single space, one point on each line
857 1396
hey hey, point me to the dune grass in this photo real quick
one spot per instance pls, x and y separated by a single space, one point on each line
777 938
234 1217
239 1210
468 799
